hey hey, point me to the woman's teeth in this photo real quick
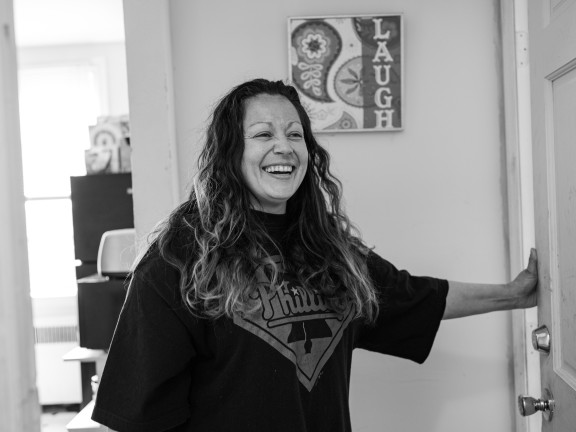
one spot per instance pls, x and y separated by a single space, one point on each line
274 169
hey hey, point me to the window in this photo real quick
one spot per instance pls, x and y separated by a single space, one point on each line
57 104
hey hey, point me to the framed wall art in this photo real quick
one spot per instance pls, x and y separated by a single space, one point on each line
349 71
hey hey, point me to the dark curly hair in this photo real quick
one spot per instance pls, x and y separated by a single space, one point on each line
216 242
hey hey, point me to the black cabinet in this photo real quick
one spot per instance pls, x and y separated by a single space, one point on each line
100 300
100 203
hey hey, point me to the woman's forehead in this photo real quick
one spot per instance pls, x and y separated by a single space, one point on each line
265 108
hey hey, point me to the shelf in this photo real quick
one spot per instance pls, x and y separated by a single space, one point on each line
85 355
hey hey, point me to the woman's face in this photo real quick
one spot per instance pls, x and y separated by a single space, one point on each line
275 156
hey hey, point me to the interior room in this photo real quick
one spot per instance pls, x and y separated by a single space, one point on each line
72 76
447 193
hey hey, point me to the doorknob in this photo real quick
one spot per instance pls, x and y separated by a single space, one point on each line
529 405
541 339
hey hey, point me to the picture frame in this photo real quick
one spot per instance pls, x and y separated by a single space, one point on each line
349 71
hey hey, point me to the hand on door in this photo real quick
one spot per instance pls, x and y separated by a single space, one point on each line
466 299
523 287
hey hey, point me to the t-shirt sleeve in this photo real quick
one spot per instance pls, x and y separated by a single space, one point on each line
411 308
146 379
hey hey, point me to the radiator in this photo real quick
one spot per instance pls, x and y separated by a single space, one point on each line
58 381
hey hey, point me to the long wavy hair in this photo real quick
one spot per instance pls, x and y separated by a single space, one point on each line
217 243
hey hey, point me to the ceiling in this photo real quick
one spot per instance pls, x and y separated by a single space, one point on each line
65 22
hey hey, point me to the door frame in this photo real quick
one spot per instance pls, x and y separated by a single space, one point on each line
152 107
520 196
19 406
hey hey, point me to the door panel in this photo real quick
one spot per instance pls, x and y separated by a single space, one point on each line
563 95
556 7
552 33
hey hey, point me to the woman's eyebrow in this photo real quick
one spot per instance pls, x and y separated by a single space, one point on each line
294 122
270 123
260 122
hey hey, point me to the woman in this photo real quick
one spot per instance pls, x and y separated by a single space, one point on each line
245 309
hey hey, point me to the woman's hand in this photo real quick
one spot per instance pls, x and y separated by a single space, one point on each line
524 285
466 299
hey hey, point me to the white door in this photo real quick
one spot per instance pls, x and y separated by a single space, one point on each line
552 36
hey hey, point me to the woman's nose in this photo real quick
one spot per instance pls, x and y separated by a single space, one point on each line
283 146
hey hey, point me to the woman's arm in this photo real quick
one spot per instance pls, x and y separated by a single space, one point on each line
466 299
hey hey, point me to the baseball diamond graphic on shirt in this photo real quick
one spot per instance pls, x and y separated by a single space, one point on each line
297 322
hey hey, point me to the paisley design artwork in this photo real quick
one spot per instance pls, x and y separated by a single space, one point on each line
348 71
316 45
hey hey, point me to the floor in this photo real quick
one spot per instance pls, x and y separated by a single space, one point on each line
56 420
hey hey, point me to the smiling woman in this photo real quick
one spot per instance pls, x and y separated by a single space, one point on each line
261 258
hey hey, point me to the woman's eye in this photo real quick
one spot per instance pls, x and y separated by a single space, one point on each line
295 135
263 135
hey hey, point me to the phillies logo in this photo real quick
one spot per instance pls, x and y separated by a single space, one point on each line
297 322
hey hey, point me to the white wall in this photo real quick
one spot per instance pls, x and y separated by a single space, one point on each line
430 198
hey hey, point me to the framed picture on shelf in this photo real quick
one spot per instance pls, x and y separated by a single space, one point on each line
349 71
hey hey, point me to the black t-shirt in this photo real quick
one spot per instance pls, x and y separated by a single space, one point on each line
285 368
